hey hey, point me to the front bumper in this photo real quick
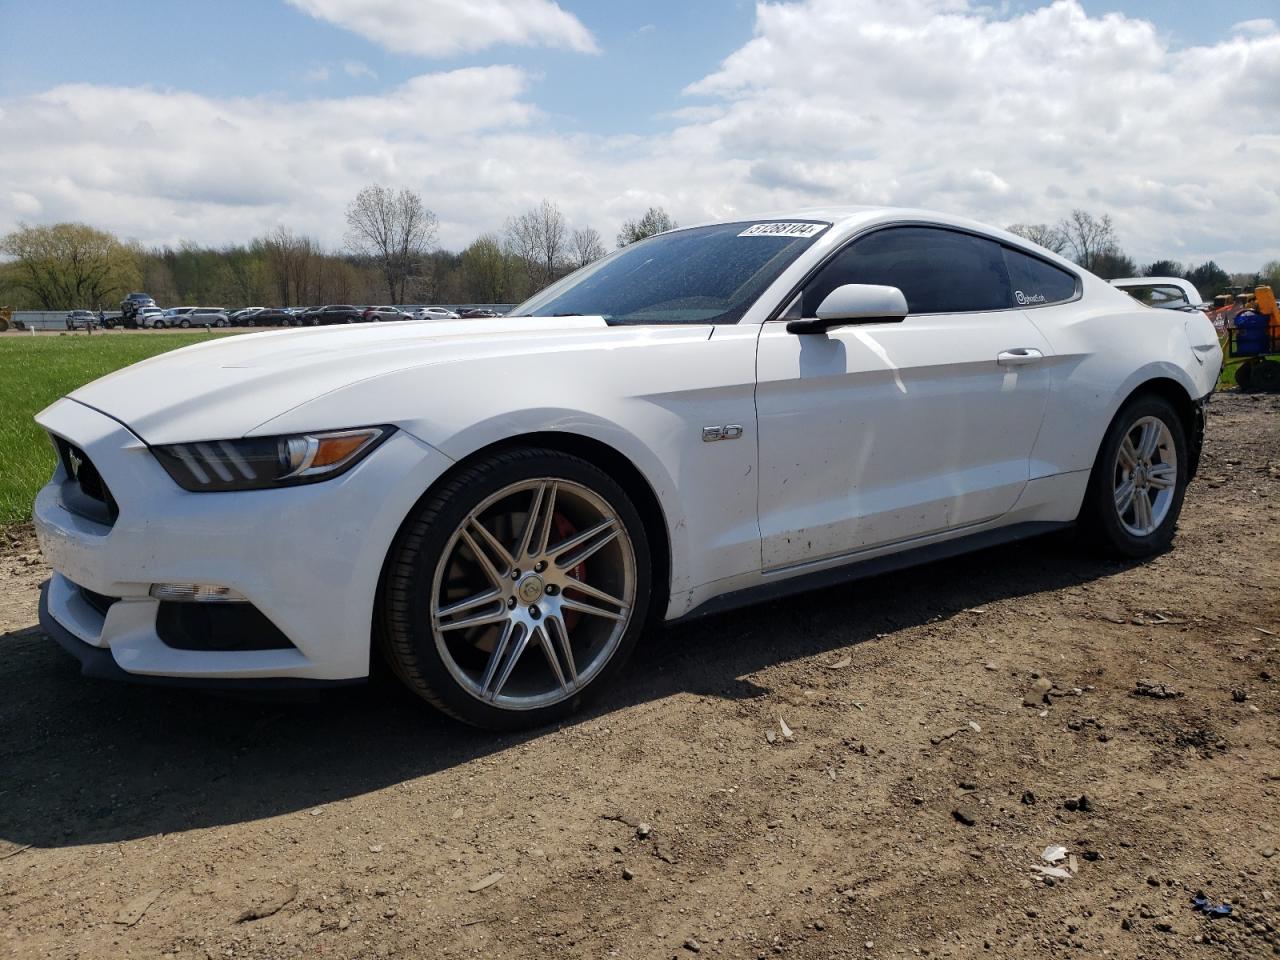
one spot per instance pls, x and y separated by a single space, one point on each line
307 558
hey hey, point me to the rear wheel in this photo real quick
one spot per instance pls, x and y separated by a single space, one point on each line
1139 480
517 591
184 324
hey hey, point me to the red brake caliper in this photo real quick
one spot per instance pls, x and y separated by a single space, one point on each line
565 530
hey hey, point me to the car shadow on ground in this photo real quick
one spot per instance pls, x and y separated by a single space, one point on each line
89 761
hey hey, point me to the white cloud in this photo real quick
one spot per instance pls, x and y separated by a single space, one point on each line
1259 27
316 75
918 102
355 69
435 28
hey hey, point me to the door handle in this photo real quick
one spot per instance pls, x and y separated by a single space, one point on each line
1018 356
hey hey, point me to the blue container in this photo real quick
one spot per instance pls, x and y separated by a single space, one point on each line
1251 333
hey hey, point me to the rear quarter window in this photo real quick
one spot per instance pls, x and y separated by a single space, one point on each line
1036 282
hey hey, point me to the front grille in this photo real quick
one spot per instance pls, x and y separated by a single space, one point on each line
85 492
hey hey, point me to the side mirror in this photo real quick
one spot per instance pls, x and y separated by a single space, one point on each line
855 303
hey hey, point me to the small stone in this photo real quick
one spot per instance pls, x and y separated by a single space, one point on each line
819 925
692 945
968 785
1126 924
344 923
627 874
1152 882
1239 696
375 848
643 830
1269 852
1164 926
1033 914
965 816
1028 798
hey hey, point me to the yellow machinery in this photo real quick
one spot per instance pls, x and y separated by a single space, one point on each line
6 319
1254 334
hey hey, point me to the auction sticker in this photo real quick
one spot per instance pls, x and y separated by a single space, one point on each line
783 230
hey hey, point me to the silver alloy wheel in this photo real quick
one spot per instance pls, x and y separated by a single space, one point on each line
1145 476
533 593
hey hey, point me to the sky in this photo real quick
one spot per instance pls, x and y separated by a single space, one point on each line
212 123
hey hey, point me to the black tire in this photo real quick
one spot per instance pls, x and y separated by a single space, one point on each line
157 325
403 619
184 324
1099 522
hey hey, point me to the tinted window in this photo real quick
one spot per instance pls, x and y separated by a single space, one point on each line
938 271
700 275
1035 282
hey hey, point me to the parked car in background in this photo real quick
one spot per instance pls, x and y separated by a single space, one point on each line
1165 293
239 317
475 313
151 318
271 317
176 316
209 317
432 313
81 319
710 417
384 313
339 313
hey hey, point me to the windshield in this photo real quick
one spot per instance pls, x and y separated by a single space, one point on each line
701 275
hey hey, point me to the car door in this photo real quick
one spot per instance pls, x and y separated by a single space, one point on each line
883 432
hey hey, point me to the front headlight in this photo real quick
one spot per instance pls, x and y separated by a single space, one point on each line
259 463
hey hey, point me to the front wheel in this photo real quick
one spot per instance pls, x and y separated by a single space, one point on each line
1139 480
516 591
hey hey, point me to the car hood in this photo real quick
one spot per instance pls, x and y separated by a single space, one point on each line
230 385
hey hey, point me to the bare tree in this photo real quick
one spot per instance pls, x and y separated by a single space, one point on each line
1088 238
655 220
393 229
540 238
291 260
1051 238
587 246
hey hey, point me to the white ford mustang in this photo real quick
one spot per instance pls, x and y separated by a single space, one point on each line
699 420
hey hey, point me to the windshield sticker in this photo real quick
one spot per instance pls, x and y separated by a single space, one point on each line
1026 299
783 230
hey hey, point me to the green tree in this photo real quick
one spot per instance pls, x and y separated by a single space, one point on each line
1113 264
1163 268
655 220
69 266
487 270
1209 278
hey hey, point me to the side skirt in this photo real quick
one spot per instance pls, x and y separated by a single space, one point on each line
861 569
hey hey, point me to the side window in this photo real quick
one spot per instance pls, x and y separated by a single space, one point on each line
938 271
1036 282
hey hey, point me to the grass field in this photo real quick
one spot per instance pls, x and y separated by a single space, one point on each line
34 372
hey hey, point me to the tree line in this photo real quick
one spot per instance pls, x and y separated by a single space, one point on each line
391 255
1092 243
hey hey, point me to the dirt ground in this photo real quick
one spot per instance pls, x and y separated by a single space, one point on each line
903 815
